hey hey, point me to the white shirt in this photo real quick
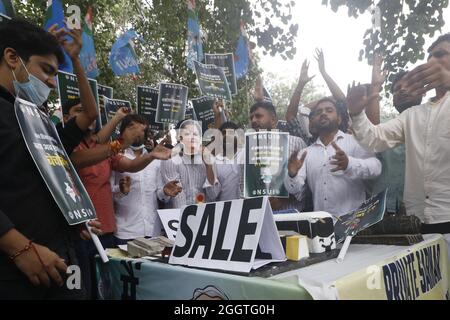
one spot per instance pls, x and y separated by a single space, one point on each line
425 130
136 214
335 193
229 173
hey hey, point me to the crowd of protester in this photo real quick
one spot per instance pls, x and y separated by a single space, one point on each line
339 155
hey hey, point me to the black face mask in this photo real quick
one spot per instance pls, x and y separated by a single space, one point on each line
137 144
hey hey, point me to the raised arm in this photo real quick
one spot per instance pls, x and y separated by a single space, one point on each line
105 133
73 48
374 138
378 77
332 85
292 110
258 93
137 164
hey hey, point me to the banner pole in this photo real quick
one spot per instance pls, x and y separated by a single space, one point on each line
98 245
344 248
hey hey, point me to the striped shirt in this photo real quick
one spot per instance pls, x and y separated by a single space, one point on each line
191 174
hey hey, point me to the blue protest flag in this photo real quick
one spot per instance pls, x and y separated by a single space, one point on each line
242 55
87 55
123 58
194 39
2 8
55 15
6 8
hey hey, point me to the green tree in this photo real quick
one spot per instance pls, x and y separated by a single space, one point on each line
281 90
403 26
163 26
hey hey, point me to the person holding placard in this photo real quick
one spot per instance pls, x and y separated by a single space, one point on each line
264 117
36 243
193 173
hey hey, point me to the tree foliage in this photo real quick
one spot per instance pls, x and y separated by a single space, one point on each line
163 26
404 24
281 90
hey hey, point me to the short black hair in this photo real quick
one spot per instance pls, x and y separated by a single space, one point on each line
341 110
28 40
442 38
264 105
69 105
228 125
396 78
129 118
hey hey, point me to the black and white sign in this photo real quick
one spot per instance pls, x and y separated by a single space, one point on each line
235 235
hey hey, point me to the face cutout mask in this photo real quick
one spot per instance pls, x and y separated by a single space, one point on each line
34 90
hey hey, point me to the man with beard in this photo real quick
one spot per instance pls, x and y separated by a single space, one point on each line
334 166
264 117
228 163
425 131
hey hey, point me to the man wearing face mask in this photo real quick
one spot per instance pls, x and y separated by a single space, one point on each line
29 58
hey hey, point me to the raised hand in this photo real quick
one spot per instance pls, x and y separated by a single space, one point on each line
357 98
172 188
426 77
258 93
122 113
341 159
160 152
378 75
320 60
295 164
304 78
218 106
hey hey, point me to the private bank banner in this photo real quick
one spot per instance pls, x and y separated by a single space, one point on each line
226 62
419 274
51 159
266 160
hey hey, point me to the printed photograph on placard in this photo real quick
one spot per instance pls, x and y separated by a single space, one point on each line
266 159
